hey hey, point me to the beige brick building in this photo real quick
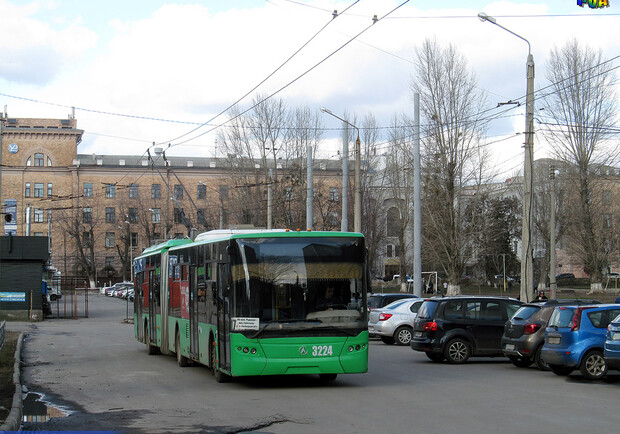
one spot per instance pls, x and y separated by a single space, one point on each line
105 209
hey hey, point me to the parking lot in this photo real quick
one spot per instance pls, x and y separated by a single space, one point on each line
94 368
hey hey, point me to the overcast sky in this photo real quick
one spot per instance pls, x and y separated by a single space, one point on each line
118 61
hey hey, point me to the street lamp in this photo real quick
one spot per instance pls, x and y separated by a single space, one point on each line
527 271
357 208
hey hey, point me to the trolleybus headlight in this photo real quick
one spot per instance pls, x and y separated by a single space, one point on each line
246 350
357 347
253 351
350 349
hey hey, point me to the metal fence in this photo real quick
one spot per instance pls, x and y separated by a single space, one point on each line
73 303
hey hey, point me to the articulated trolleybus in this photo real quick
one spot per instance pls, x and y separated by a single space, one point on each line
256 302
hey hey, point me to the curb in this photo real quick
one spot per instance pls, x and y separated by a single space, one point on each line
13 420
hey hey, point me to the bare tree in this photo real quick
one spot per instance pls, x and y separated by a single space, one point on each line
452 159
580 110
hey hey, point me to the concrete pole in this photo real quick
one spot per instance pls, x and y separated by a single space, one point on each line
417 202
270 199
357 207
553 286
309 191
527 263
344 225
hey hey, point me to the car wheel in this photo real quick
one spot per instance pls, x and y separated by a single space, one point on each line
593 365
53 297
435 357
403 335
182 361
540 363
387 340
560 370
457 351
521 362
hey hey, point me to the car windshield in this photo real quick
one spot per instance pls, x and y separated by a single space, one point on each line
526 312
562 317
427 309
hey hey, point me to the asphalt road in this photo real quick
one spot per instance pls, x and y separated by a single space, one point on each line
98 372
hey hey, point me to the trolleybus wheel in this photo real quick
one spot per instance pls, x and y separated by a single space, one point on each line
181 359
150 349
220 377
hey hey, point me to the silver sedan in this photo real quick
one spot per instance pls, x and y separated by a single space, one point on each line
394 322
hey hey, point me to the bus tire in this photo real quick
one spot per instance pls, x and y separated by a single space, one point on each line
182 361
327 377
220 377
150 349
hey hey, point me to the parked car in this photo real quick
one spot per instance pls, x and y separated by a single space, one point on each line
612 345
524 333
575 338
394 322
456 328
565 276
117 286
377 301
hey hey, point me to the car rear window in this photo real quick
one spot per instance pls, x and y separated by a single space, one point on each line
526 312
427 309
562 317
374 301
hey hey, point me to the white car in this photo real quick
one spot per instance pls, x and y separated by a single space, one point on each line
394 322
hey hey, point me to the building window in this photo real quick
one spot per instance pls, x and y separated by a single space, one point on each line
38 234
202 191
393 222
133 191
156 236
334 194
109 239
155 215
109 261
178 235
133 215
332 218
87 240
29 162
38 160
201 217
223 192
177 216
155 191
606 197
134 239
49 215
110 191
289 194
606 221
38 215
178 192
49 189
224 217
39 189
110 214
49 161
27 190
88 189
87 215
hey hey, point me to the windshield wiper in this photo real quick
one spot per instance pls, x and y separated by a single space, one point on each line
283 321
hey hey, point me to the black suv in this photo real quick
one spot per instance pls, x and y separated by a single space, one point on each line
376 301
524 333
456 328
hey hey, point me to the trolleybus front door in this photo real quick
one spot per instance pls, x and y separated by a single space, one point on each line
137 305
223 315
193 312
152 305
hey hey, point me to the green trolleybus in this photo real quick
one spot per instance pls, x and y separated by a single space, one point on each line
256 302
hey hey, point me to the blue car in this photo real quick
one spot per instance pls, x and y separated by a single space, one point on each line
575 337
612 345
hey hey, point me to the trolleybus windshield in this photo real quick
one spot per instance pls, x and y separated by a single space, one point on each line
293 286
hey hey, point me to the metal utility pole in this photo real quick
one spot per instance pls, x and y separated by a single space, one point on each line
344 222
553 286
417 202
309 191
527 265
